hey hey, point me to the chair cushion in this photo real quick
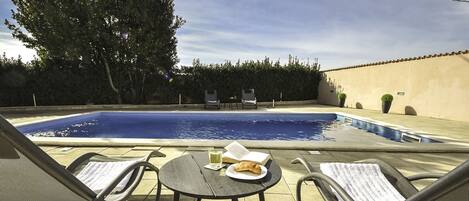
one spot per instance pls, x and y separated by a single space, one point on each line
363 182
98 175
250 101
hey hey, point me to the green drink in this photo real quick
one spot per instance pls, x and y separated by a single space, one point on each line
215 158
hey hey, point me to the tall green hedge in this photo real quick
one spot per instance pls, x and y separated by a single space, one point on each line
68 82
294 80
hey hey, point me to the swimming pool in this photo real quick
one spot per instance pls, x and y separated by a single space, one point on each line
202 125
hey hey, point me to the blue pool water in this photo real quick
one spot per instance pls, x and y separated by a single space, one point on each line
183 125
187 126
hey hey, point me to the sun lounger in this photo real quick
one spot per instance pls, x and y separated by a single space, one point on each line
248 98
28 173
211 99
374 179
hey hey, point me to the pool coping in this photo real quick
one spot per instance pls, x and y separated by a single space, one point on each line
447 146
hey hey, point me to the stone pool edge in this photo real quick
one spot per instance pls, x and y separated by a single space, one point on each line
390 146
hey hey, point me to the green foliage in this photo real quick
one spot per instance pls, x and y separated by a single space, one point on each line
341 96
62 82
130 41
295 80
387 98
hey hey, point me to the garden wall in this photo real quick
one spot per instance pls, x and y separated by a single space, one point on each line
432 85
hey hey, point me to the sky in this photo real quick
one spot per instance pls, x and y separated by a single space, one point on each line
339 33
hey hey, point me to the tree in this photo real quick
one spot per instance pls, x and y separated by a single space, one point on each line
129 40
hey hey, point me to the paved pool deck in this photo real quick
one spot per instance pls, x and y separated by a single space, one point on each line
456 131
453 133
408 164
449 130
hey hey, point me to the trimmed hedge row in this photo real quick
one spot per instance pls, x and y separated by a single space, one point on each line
66 83
292 81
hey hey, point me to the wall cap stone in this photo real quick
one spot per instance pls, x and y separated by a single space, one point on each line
401 60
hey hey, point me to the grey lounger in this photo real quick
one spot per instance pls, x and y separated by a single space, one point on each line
28 173
248 98
211 99
453 186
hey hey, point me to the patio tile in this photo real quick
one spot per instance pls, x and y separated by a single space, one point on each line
277 154
280 188
144 188
150 175
308 192
137 198
145 148
167 195
170 153
64 160
319 158
292 176
132 153
61 150
47 148
272 197
406 163
115 150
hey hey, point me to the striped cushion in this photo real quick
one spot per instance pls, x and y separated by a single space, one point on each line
363 182
98 175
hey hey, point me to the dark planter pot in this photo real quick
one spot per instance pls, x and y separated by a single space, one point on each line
386 106
341 102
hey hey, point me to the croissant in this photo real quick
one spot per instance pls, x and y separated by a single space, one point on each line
248 166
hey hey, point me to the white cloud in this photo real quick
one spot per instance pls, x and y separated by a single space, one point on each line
340 33
13 47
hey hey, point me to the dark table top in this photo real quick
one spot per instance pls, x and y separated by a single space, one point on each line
187 175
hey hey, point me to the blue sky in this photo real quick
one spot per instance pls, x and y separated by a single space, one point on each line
339 33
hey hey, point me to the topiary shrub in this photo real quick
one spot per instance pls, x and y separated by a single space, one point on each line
387 98
341 97
386 102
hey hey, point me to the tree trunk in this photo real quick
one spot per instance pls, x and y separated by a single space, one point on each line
111 83
132 89
142 92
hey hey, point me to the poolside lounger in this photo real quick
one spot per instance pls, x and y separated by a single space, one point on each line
28 173
211 99
374 179
248 98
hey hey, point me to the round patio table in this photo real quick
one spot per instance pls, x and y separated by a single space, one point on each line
186 175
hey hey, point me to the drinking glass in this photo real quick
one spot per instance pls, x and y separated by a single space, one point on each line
215 158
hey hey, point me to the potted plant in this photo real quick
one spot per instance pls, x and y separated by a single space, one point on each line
386 100
341 97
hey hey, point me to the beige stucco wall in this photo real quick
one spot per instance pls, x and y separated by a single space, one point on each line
435 87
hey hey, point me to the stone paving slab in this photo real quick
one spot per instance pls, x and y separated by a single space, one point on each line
440 128
433 127
285 190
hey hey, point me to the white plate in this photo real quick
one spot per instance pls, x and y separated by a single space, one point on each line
245 175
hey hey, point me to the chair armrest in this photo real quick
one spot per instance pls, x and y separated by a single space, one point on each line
303 162
155 153
326 179
80 160
425 176
122 175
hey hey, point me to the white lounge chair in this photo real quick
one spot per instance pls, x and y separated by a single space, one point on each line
211 99
28 173
248 98
374 179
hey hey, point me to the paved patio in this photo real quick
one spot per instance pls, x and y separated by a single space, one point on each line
440 128
448 130
407 163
